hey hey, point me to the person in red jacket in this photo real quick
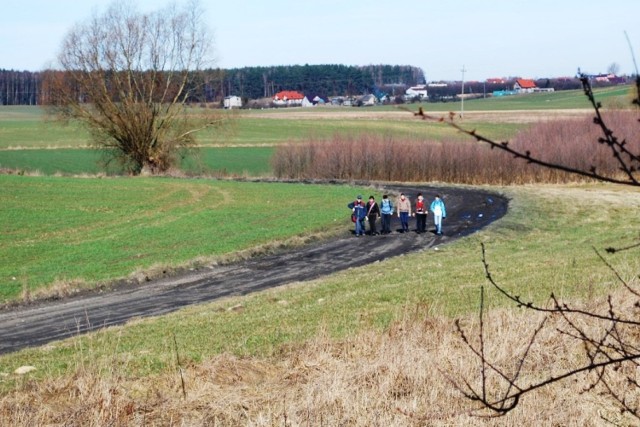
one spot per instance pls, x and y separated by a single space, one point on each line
421 214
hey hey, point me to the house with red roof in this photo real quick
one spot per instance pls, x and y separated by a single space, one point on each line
288 98
524 86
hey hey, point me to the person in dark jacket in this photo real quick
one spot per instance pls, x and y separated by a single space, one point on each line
373 212
359 212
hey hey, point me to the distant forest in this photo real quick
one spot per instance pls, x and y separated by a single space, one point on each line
322 80
255 83
26 88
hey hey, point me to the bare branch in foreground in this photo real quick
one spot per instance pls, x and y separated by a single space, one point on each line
608 336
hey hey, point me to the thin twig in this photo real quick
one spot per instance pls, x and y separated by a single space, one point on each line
184 390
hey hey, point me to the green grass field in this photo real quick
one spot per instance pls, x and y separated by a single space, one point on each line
552 226
60 231
27 127
234 161
616 96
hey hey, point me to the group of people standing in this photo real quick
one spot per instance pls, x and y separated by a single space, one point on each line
362 212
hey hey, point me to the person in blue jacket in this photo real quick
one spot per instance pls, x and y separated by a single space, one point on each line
439 212
386 210
359 211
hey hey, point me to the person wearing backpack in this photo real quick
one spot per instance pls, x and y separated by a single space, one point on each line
439 212
373 212
386 210
358 214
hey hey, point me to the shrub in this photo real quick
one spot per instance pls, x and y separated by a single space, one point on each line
375 157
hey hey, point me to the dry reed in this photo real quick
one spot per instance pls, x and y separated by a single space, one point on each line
569 142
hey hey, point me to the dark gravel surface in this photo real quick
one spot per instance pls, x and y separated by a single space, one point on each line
33 325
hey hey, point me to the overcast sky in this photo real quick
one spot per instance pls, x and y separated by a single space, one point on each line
490 38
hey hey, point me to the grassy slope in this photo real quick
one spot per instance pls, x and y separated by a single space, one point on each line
566 99
543 245
55 230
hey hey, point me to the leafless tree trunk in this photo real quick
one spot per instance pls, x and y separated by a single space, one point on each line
129 76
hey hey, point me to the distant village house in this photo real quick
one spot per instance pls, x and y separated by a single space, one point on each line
288 98
232 102
524 86
419 91
529 86
312 101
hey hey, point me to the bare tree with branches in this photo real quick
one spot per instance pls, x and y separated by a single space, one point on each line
609 335
128 76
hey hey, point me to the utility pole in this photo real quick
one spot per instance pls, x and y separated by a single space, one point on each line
462 94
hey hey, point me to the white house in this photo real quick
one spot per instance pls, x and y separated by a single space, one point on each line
288 98
524 86
232 102
419 91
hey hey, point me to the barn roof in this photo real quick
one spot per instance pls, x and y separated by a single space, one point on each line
289 94
526 83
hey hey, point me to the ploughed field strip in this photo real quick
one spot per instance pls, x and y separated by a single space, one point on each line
468 210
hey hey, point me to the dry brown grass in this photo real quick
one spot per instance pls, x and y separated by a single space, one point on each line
395 378
501 116
571 142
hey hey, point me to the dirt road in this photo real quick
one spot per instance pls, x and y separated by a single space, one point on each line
468 210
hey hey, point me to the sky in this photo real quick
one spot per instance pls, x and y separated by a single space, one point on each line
485 38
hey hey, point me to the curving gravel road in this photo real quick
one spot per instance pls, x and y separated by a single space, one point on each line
26 326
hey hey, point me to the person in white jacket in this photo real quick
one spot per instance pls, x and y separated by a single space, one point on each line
439 212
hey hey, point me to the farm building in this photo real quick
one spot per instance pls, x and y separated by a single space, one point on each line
419 91
312 100
524 86
232 102
288 98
